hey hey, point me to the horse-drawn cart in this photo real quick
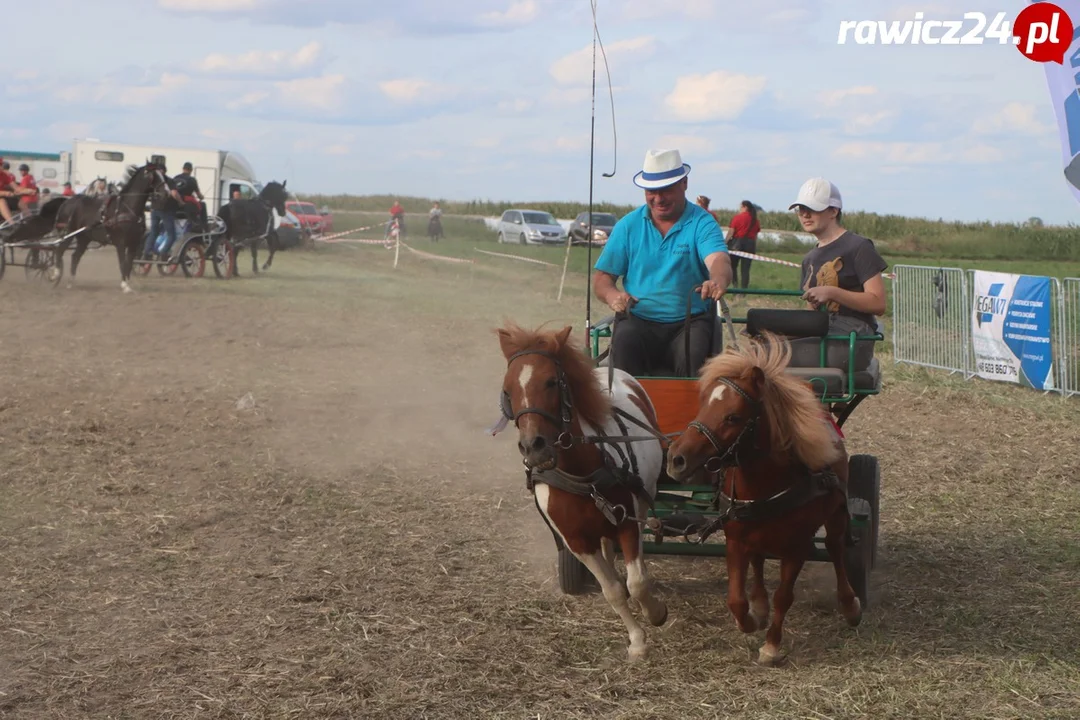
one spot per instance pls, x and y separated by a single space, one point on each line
36 233
690 513
747 462
191 250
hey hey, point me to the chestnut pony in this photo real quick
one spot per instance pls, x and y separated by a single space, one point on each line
784 474
592 482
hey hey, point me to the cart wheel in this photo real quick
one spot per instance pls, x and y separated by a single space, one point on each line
223 255
858 557
192 260
55 272
572 573
32 264
42 265
864 482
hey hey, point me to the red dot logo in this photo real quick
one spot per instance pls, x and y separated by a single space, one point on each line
1043 32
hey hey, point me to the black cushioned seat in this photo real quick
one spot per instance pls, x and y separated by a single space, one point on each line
804 330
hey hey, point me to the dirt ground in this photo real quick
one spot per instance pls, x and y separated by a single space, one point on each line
273 497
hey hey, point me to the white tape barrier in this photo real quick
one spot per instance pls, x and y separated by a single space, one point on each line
515 257
777 261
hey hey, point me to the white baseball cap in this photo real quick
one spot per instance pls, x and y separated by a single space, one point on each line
817 194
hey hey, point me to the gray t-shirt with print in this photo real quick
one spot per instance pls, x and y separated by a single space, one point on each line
847 262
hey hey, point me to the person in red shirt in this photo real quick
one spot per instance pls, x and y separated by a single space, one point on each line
397 213
8 199
743 237
28 189
68 192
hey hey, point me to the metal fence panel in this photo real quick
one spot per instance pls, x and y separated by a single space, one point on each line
1069 337
931 319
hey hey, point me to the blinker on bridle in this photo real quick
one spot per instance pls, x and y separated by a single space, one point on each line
716 462
565 439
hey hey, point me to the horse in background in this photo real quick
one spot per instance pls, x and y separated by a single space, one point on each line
782 471
249 221
117 219
591 495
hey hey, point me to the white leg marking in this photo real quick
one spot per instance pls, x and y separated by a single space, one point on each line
608 548
615 592
637 581
125 287
609 581
523 380
717 393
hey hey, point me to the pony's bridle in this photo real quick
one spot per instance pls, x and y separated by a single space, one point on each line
720 459
566 403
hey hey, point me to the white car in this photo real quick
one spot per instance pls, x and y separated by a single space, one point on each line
533 227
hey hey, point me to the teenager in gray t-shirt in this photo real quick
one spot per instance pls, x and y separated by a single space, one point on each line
843 272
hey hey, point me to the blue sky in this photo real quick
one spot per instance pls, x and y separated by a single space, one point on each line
490 99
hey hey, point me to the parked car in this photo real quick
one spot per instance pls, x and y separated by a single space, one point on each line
534 227
601 228
310 218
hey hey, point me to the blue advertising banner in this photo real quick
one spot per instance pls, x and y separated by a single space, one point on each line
1010 329
1062 80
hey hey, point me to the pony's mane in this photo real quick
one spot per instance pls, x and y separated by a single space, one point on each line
590 401
793 413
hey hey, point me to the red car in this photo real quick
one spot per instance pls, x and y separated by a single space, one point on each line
310 218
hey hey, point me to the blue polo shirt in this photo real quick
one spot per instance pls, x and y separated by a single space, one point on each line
660 271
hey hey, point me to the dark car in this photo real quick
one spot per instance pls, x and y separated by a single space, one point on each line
601 228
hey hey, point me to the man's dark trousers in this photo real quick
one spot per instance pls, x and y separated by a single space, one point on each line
642 347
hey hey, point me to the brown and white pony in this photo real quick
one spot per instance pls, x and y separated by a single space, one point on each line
784 475
560 405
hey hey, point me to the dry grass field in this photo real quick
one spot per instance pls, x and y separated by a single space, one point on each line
272 497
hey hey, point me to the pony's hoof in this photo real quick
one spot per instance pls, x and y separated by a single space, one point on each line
749 625
636 653
126 288
854 616
661 618
769 656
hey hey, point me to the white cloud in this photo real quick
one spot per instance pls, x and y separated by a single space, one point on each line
405 89
720 166
720 95
686 144
324 92
68 131
519 13
249 99
1013 118
649 9
519 105
222 6
919 153
835 97
576 68
337 149
862 123
264 62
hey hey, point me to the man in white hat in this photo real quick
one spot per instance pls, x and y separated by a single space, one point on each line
663 250
843 272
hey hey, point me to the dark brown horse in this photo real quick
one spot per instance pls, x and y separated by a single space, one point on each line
783 472
116 219
560 404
